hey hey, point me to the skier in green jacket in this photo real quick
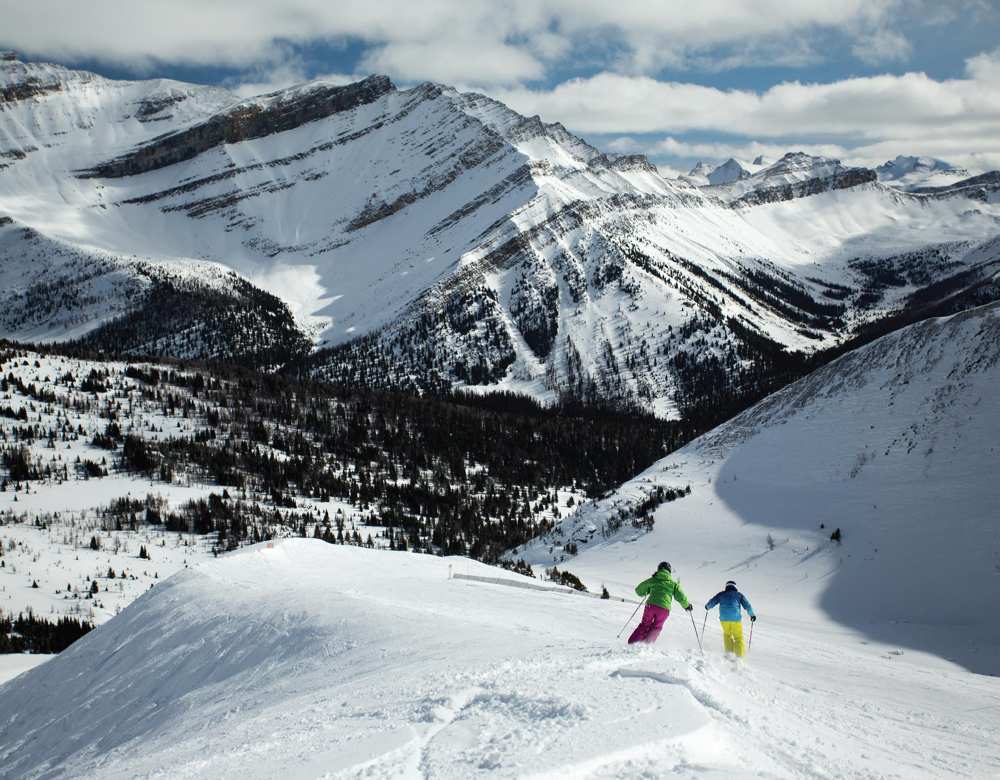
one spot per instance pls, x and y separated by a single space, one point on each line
660 590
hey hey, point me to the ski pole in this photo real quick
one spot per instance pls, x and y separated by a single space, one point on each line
750 640
632 616
695 627
703 624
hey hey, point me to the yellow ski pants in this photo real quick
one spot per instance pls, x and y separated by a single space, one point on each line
732 636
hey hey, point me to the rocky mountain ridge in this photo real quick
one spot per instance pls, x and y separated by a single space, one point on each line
426 237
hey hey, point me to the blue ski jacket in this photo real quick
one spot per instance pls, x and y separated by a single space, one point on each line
729 601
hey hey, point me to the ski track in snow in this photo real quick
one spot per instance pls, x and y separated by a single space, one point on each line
276 662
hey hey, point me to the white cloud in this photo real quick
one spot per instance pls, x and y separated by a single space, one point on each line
287 71
909 105
468 41
488 62
882 45
984 67
861 121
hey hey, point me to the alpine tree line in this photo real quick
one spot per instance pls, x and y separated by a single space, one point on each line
31 634
442 473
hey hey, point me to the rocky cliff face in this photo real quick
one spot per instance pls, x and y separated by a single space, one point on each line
984 188
249 120
841 180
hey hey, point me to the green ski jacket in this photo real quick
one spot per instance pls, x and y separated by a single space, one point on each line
662 589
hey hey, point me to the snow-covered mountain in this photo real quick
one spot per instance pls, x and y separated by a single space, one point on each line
55 290
895 445
730 171
909 172
698 175
795 175
429 237
703 174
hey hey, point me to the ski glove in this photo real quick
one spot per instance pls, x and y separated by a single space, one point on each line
689 608
753 618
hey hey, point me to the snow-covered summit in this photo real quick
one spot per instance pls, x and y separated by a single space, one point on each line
909 172
793 168
730 171
698 175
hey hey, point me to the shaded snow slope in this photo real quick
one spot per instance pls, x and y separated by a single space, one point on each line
897 444
730 171
54 290
306 660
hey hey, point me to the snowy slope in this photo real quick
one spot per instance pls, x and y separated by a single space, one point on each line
46 524
909 172
433 237
54 290
896 444
305 660
698 175
12 664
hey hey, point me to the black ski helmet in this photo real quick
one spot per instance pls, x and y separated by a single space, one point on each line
664 566
730 582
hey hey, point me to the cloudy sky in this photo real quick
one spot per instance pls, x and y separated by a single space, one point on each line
863 80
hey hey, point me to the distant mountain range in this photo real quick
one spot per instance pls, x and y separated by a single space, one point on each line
431 238
905 172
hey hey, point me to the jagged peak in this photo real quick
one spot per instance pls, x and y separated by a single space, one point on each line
515 127
13 70
731 170
375 83
624 162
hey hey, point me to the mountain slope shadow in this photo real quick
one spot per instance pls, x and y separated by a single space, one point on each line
896 445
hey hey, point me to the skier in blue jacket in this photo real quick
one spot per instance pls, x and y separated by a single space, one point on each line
730 601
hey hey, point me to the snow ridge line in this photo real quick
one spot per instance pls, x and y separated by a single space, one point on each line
532 586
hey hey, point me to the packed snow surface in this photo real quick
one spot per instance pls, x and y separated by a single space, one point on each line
302 659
